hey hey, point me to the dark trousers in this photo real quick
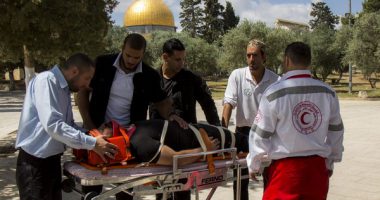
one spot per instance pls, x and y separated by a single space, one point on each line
183 195
243 185
244 182
38 178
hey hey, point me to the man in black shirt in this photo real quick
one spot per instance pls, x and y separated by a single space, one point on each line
185 88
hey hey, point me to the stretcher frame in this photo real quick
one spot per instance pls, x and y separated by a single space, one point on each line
197 174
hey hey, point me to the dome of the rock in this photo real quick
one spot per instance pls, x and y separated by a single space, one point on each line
145 16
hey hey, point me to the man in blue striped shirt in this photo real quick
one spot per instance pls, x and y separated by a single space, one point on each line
47 126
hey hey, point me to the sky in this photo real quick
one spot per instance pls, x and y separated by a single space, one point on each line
258 10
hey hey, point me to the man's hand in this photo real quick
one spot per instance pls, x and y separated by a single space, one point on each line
215 144
252 175
330 172
182 123
104 148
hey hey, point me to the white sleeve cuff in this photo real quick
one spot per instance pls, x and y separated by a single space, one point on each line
330 164
89 142
230 101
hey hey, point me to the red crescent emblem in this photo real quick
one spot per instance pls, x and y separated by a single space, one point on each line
303 118
307 117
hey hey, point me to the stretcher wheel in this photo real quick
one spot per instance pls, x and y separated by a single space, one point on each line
90 195
67 185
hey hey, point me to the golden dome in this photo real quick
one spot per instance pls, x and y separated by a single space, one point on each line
148 12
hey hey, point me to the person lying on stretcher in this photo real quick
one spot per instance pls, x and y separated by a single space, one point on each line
145 142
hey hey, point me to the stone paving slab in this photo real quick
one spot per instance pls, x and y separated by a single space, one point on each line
10 108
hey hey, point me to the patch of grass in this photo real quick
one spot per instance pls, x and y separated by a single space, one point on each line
358 84
217 88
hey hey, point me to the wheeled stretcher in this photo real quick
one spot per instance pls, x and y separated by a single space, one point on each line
153 179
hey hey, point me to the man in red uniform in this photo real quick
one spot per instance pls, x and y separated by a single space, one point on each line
299 129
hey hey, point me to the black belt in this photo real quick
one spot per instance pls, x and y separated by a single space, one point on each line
25 156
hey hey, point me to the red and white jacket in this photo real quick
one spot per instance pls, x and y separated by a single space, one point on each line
298 116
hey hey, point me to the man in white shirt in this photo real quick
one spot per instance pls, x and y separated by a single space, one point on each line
299 129
244 90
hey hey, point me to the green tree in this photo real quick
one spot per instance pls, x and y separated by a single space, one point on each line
371 6
47 30
8 67
229 18
115 38
276 42
322 15
343 37
324 56
212 28
345 20
191 16
233 51
364 49
200 56
8 61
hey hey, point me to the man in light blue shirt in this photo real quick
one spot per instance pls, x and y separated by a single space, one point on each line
47 126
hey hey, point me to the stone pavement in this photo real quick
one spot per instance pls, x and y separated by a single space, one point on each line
357 177
10 108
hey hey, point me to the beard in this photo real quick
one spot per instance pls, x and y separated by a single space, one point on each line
253 67
127 67
72 86
175 70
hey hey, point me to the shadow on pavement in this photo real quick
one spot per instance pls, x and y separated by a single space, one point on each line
11 101
15 93
8 187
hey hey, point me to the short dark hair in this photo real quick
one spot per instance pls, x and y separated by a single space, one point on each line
80 60
172 45
135 41
299 53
